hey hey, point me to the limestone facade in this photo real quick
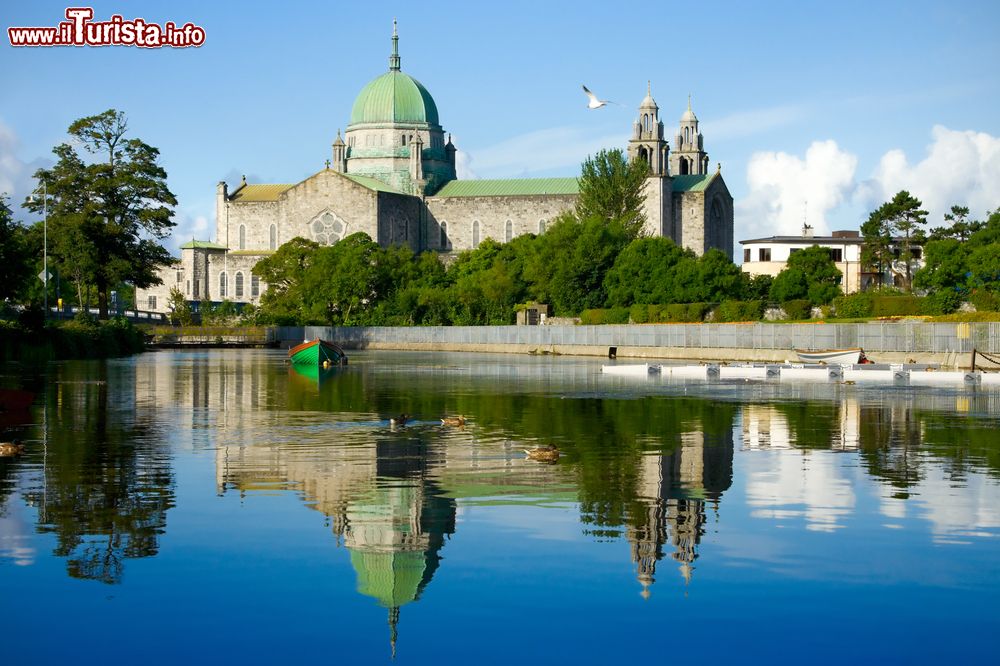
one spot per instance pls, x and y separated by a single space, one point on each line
392 177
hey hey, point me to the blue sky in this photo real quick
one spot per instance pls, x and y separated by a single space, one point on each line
816 111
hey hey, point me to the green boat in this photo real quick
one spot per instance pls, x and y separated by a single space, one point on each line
317 353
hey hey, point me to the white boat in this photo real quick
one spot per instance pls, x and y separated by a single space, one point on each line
832 356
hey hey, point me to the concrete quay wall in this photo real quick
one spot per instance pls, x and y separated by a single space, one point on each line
949 344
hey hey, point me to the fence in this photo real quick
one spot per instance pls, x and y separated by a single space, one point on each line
902 337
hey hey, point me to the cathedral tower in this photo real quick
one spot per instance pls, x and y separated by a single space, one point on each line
689 157
647 143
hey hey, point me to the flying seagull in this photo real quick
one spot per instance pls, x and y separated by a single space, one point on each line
595 103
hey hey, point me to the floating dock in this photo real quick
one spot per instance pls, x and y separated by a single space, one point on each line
909 374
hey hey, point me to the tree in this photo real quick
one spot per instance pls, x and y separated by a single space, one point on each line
611 188
180 309
284 300
960 228
110 214
908 219
15 268
876 252
810 274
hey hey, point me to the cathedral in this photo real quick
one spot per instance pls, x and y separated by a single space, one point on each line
392 175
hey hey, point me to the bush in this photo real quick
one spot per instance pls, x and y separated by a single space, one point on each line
604 316
854 306
799 308
942 302
985 301
739 311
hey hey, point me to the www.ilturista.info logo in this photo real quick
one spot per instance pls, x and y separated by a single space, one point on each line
80 30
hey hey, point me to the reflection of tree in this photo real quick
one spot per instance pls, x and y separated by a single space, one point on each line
106 487
889 441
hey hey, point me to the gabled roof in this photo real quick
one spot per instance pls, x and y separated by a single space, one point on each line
372 183
202 245
260 192
510 187
690 183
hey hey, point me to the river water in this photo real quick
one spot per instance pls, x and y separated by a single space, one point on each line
219 506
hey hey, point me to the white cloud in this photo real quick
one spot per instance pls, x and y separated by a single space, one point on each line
16 179
786 190
961 167
190 225
555 148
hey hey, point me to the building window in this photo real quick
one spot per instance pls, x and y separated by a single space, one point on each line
152 303
794 250
273 242
222 284
746 255
403 138
444 236
764 254
254 286
475 233
541 227
508 231
915 252
837 255
180 276
187 288
243 237
197 285
239 284
327 229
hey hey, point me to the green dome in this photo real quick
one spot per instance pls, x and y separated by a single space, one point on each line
394 97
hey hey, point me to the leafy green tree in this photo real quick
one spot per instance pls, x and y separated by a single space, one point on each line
345 281
960 227
758 287
283 302
809 274
114 210
180 309
876 252
611 189
15 269
907 220
719 279
647 272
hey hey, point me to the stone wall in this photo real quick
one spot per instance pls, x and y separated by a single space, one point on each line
492 213
355 206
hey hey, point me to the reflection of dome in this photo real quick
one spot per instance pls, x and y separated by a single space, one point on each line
392 578
394 97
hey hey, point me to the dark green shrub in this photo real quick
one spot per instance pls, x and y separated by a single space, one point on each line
604 316
897 306
985 301
942 302
640 313
739 311
853 306
799 308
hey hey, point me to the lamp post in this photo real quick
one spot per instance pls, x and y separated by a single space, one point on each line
45 244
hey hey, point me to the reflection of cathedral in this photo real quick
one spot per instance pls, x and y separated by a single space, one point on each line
673 491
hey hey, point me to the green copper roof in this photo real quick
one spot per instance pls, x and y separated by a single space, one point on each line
394 97
371 183
392 578
509 187
202 245
692 183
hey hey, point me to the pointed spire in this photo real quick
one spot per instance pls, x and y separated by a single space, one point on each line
393 621
394 58
649 88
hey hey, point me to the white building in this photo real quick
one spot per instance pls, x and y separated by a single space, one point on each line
769 256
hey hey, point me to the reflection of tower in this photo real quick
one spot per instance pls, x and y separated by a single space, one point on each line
850 417
395 530
673 490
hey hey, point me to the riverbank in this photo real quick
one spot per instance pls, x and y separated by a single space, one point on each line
949 344
69 340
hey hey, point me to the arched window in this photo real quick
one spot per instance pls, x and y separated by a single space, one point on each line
687 135
254 286
222 284
684 167
239 284
475 233
404 139
243 237
508 232
541 227
273 241
444 236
